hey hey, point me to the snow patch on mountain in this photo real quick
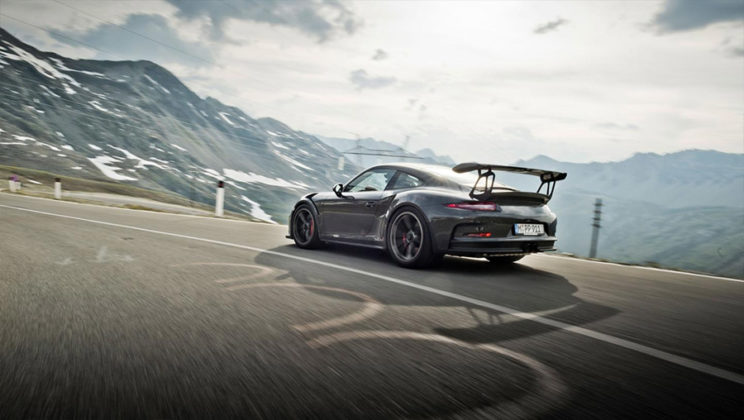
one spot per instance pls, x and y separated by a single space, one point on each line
141 163
60 65
150 79
164 162
41 66
103 163
37 110
257 211
250 178
97 105
227 120
293 162
212 173
49 91
279 145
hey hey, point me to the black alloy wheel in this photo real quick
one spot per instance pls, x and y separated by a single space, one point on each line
304 228
408 239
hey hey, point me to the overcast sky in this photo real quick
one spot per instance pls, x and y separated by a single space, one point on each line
495 80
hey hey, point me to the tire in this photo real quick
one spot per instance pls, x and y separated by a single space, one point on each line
409 239
304 228
504 260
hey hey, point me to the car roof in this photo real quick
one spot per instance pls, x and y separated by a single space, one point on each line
428 168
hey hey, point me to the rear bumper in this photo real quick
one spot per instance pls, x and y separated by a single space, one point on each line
452 230
482 247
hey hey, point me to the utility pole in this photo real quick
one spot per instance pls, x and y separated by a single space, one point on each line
595 227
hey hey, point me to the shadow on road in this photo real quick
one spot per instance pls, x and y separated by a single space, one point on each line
515 286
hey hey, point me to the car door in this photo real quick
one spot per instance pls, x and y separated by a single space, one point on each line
352 215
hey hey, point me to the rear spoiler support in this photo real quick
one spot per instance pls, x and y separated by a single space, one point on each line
548 179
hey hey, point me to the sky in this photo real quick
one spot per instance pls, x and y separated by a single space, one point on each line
492 80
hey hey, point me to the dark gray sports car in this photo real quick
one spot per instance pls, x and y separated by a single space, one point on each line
420 212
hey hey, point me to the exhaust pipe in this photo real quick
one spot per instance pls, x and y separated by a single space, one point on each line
530 247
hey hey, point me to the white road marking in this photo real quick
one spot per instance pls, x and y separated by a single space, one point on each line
606 338
371 306
262 270
639 267
66 261
549 391
103 256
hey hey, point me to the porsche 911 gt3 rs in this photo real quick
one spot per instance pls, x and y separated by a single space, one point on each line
418 213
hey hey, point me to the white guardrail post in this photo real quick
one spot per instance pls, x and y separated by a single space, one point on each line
220 203
12 184
57 189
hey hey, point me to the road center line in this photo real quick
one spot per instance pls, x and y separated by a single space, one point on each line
620 342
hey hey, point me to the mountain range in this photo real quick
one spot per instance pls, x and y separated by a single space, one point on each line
683 209
367 151
134 122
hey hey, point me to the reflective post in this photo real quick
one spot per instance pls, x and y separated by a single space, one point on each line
219 204
12 184
57 188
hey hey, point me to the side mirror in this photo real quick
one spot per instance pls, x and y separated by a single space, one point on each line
338 189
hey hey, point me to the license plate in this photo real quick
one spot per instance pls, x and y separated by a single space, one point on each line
529 229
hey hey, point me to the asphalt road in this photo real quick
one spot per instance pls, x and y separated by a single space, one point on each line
119 313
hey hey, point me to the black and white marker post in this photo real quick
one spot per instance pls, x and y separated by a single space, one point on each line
219 205
57 189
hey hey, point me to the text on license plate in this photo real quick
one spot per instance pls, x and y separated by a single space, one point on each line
528 229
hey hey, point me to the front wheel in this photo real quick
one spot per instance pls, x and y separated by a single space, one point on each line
408 239
305 228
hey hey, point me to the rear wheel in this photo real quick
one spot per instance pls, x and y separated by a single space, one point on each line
408 239
305 228
504 260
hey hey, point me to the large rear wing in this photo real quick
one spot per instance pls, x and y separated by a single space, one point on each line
486 177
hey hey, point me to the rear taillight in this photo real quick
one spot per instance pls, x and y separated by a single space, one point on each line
475 206
478 235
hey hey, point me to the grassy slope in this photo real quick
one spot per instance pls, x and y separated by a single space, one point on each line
84 185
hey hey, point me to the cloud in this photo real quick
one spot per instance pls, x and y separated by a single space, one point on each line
736 51
380 55
686 15
363 80
157 41
321 19
550 26
616 126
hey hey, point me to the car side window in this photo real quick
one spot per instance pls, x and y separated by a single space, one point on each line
372 180
406 180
